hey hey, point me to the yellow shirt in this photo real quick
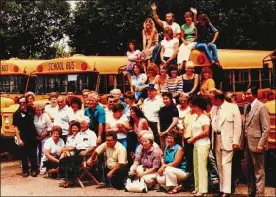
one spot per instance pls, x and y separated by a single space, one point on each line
206 86
114 155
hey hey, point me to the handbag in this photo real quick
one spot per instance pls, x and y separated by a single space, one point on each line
137 185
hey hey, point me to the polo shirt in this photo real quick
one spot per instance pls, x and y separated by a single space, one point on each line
85 139
151 108
149 159
114 155
96 116
63 117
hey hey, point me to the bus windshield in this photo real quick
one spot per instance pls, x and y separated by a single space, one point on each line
63 83
13 84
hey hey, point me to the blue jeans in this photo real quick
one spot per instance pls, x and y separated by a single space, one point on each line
206 49
123 142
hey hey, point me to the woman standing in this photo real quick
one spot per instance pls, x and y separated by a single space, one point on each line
138 81
201 141
76 105
150 40
188 38
174 84
190 80
168 118
134 57
138 120
43 127
30 98
183 108
52 108
208 83
161 81
169 49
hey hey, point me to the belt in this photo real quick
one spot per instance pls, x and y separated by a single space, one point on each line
217 132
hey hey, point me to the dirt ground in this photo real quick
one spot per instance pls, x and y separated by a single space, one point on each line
12 184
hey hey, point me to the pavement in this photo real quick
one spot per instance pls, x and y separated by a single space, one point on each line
13 184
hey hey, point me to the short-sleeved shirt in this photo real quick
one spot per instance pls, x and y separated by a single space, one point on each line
63 117
24 121
53 147
149 159
169 46
169 156
166 114
43 124
205 35
151 108
182 114
175 27
197 129
114 155
189 32
96 116
52 111
113 122
174 85
85 139
138 81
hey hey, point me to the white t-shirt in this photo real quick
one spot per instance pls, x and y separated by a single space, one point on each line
151 108
112 122
52 111
134 55
197 129
169 46
175 27
182 114
85 139
54 148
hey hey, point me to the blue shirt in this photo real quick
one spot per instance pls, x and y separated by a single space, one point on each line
96 117
169 155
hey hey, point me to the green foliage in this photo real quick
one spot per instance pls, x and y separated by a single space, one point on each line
29 28
103 27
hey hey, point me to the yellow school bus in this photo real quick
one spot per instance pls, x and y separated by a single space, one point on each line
14 76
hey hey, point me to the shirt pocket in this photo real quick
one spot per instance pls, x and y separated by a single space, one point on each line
229 118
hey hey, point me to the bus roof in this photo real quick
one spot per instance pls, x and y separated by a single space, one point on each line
242 59
18 66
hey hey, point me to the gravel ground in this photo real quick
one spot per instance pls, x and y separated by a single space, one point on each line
12 184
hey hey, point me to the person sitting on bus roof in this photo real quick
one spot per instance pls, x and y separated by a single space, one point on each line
188 38
169 49
208 83
207 36
30 98
96 114
133 56
150 40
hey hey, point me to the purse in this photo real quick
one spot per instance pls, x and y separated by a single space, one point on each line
136 185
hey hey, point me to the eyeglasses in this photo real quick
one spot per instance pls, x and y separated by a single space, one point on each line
60 101
22 103
110 101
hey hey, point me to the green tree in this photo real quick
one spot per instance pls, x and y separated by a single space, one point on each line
29 28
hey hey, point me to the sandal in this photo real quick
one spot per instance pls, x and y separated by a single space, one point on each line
175 190
63 184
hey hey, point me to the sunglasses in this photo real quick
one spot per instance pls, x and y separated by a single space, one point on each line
110 101
22 103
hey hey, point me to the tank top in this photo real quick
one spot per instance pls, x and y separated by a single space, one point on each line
188 84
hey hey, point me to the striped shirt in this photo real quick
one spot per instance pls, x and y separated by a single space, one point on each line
174 85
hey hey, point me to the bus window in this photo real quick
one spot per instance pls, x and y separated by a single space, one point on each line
63 83
227 83
12 84
106 84
255 78
241 79
265 77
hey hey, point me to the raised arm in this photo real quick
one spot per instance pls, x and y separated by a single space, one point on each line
194 11
155 16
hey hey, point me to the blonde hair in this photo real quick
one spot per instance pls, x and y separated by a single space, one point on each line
151 21
148 136
39 105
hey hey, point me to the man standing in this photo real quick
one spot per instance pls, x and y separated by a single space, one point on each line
256 127
116 160
23 121
151 108
63 117
96 115
226 130
110 104
168 23
116 93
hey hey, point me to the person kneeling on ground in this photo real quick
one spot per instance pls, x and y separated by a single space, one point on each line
116 160
147 161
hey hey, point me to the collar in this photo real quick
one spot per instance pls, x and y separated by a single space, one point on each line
222 106
150 150
84 132
173 147
253 103
64 108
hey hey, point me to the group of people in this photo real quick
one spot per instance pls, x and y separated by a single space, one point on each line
167 144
